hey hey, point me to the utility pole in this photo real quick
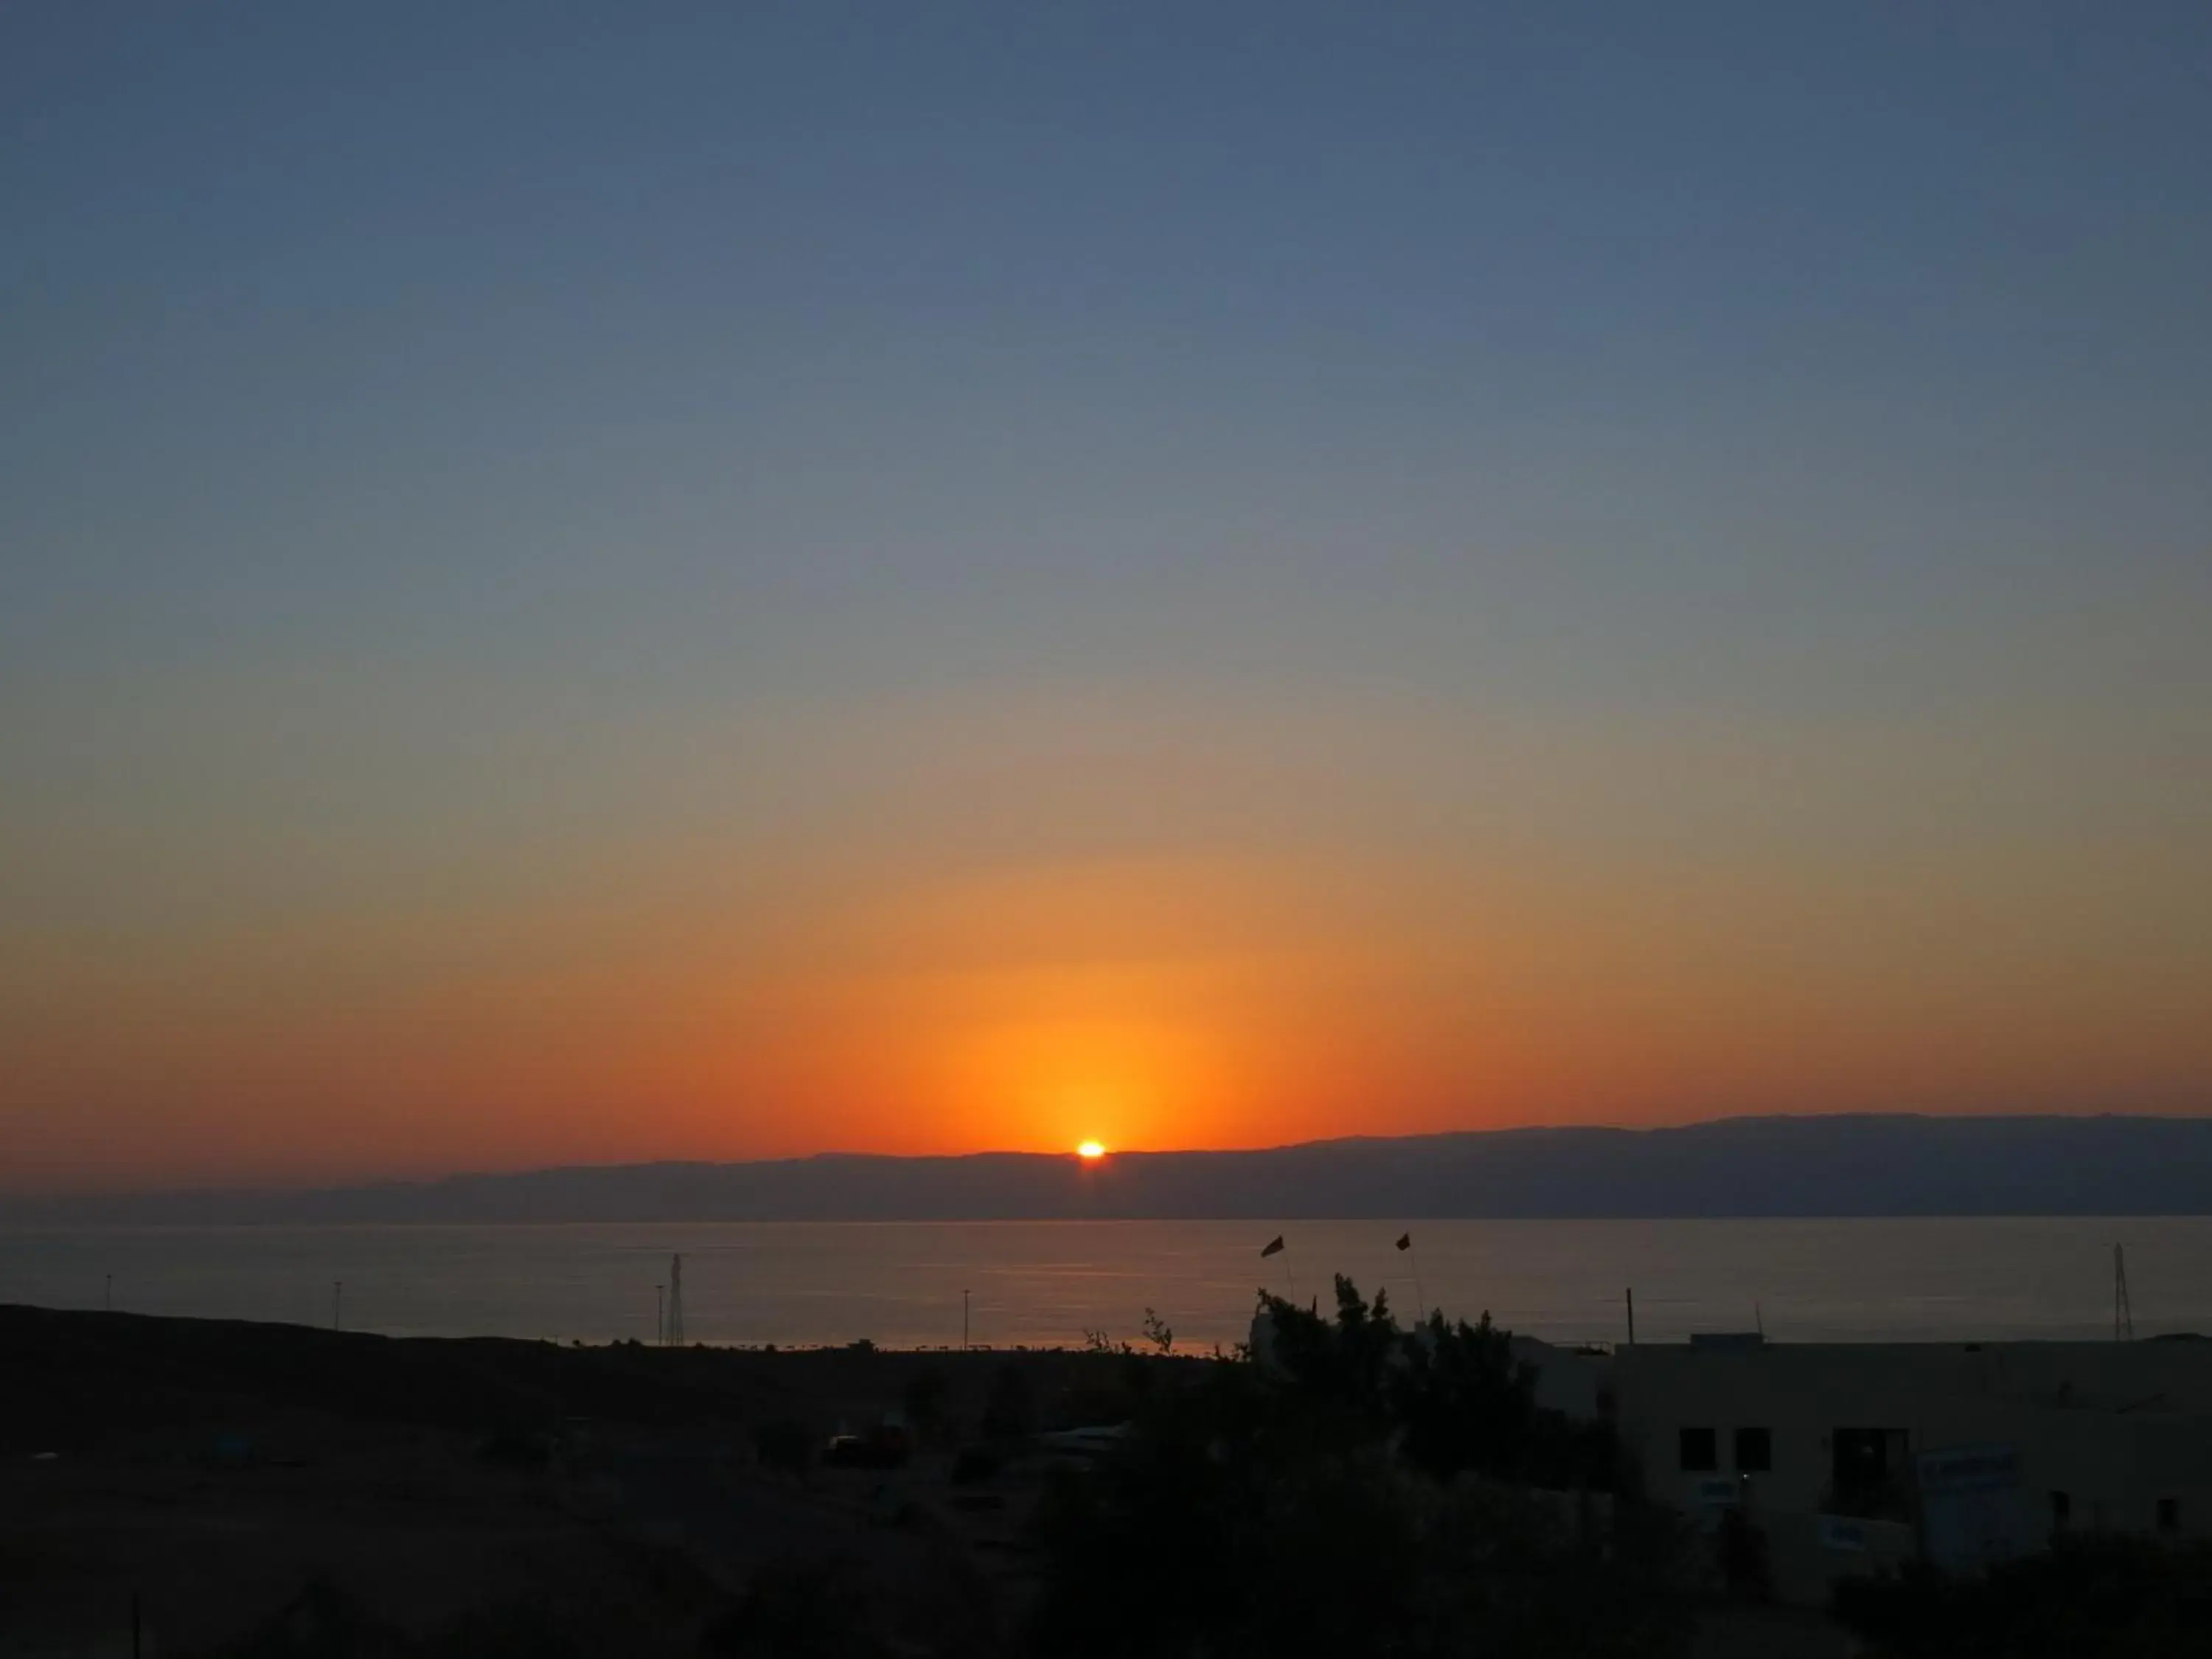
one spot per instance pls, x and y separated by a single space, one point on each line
675 1337
963 1319
338 1303
2123 1316
660 1315
1631 1316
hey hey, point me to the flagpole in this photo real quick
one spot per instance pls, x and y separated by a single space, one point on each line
1420 1302
1277 1246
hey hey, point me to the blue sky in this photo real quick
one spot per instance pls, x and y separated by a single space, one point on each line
324 323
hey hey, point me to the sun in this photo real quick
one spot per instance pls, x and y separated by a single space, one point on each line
1089 1150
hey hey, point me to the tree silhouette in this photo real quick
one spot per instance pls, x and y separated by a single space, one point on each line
1318 1498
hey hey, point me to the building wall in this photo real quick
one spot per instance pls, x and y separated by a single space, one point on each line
2117 1427
1565 1380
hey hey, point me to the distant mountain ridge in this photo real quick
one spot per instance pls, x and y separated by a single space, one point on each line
1859 1165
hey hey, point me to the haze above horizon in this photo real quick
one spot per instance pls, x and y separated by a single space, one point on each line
724 582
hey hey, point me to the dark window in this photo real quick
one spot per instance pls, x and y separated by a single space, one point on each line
1755 1450
1861 1457
2169 1515
2062 1509
1700 1449
1867 1476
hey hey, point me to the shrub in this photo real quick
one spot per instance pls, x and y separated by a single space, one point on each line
1009 1413
783 1446
1350 1496
2098 1596
976 1464
924 1398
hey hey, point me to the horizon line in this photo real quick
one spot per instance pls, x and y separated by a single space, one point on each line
375 1184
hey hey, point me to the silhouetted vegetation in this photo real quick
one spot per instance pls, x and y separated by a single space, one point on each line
322 1623
796 1612
1452 1393
422 1497
516 1448
783 1446
1355 1488
1741 1552
924 1399
976 1464
2099 1596
1009 1413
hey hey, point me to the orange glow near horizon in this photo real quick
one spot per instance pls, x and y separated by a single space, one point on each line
1091 1152
926 998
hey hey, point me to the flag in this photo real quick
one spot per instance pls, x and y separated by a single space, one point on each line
1275 1247
1405 1241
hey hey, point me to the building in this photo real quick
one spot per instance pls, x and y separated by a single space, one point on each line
1848 1457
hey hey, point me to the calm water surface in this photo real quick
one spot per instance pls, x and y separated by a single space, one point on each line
1039 1283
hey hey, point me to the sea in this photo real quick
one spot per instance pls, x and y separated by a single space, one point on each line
1006 1285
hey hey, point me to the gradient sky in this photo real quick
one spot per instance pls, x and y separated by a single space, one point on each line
703 580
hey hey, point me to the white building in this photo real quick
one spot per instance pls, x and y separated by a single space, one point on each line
1848 1456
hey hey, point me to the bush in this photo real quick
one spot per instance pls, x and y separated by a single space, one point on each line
322 1623
516 1448
1009 1413
793 1613
1741 1551
976 1464
2098 1596
783 1446
1257 1523
1453 1394
926 1394
1348 1497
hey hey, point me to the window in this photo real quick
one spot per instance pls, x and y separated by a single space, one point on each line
2061 1509
1755 1450
1863 1455
2169 1515
1867 1474
1700 1449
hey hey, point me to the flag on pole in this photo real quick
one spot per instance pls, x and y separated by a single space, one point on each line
1275 1247
1420 1302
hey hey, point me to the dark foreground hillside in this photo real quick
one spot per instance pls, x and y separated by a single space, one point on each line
201 1490
268 1490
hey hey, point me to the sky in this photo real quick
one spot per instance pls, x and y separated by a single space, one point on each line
589 584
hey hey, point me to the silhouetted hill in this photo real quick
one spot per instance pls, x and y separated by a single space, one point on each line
1777 1166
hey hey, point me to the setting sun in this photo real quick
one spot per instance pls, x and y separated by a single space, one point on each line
1089 1149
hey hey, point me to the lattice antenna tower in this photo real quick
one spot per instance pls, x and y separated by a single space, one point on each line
675 1302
